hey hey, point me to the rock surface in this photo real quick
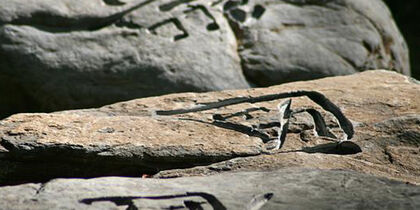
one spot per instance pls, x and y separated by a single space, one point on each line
78 54
301 40
282 189
134 137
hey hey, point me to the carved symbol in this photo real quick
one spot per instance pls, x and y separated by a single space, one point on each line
169 6
176 22
232 8
114 2
284 114
129 200
98 22
255 204
211 26
191 8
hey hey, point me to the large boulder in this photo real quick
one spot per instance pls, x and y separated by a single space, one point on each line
281 189
75 54
294 40
139 137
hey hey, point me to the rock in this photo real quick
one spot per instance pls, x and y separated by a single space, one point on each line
80 54
116 145
292 188
147 136
301 40
84 54
387 130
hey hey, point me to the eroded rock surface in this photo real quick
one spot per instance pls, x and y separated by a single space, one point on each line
134 138
300 40
78 54
292 188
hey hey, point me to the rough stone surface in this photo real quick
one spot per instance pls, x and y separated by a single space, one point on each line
384 108
301 40
292 188
73 54
132 138
78 54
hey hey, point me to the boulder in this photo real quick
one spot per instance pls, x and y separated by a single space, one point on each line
291 188
79 54
294 40
206 133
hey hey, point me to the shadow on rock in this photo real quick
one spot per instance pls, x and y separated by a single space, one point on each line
343 148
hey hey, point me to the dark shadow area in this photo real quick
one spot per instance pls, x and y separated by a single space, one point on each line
258 11
343 148
238 15
41 171
336 148
113 2
171 5
407 16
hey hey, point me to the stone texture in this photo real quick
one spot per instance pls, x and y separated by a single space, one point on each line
83 54
292 188
301 40
79 54
72 145
131 138
384 108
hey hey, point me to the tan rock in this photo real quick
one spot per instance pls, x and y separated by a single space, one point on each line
129 138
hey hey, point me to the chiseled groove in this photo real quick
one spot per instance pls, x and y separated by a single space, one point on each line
128 200
316 97
66 24
320 125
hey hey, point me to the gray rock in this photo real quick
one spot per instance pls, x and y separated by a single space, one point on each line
293 40
292 188
78 54
71 54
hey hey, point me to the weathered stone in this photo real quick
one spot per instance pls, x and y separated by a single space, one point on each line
83 54
292 188
134 138
301 40
118 145
385 112
79 54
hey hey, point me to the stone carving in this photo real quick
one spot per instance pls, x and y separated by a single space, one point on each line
259 127
189 204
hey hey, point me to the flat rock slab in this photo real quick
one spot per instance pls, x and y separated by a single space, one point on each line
292 188
133 138
128 145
